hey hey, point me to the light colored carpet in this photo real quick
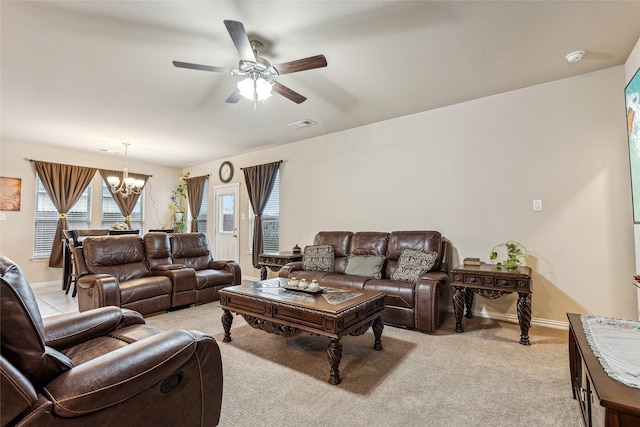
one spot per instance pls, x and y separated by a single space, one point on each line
481 377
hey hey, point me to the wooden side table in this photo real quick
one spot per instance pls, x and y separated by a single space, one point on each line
274 261
490 282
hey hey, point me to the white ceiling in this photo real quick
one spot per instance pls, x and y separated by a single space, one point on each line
90 75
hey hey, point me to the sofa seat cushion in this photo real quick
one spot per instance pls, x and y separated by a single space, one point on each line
210 277
344 280
399 294
144 288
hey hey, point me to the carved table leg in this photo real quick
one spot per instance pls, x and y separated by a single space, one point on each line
458 306
468 302
334 353
377 327
227 319
524 317
263 273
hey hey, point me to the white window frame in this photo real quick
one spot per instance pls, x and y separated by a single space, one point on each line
46 218
110 213
204 208
270 218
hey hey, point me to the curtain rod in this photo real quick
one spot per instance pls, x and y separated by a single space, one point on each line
279 161
31 160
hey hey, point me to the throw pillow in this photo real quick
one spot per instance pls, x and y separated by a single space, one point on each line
365 266
412 264
318 258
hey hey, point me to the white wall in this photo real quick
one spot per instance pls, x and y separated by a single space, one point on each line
471 172
16 231
630 68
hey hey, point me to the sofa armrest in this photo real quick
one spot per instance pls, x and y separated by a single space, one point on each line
67 330
432 300
97 290
17 392
289 268
121 374
228 265
167 267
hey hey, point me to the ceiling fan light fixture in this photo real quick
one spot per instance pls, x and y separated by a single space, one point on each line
255 90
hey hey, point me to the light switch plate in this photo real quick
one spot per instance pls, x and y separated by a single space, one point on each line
537 205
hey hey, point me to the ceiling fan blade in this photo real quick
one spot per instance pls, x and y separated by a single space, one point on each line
202 67
241 40
288 93
310 63
234 97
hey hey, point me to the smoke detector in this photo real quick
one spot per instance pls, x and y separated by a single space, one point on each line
574 56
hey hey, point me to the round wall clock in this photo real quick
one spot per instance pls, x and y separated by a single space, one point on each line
226 172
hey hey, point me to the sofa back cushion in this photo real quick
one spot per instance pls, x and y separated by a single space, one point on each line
22 333
157 249
425 241
369 243
120 256
341 242
190 249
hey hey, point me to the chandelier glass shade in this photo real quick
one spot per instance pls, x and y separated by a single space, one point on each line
129 184
254 88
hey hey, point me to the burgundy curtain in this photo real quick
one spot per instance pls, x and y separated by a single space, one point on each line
195 193
260 180
65 185
125 204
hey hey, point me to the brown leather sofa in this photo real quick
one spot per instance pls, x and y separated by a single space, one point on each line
420 306
100 367
141 273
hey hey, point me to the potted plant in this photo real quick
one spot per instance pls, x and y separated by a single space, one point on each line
179 205
513 252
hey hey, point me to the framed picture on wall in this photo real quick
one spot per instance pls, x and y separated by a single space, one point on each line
632 102
9 194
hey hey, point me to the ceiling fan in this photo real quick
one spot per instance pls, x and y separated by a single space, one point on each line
259 72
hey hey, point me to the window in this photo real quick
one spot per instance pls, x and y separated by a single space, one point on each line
111 213
46 221
204 209
270 221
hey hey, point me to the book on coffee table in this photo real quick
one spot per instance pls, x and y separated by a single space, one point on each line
472 261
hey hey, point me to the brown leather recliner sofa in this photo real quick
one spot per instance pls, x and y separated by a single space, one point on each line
100 367
421 305
149 274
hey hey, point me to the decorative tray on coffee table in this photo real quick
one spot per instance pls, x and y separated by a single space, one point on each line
306 291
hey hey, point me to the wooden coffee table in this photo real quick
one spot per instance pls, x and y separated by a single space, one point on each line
334 313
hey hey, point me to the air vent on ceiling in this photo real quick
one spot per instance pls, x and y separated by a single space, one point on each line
302 124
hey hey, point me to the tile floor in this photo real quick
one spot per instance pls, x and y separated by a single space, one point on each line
52 300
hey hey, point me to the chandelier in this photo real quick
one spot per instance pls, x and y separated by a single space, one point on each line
129 185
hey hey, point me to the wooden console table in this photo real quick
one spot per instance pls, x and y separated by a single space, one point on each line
491 282
603 400
274 261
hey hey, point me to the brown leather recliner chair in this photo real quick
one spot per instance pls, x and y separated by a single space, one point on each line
100 367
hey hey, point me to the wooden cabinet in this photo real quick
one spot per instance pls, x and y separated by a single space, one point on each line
603 400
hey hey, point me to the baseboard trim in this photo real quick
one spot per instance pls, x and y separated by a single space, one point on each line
513 318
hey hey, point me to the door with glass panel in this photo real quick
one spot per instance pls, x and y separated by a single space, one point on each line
226 207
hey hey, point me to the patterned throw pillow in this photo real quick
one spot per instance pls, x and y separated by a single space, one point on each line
412 264
365 266
318 258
